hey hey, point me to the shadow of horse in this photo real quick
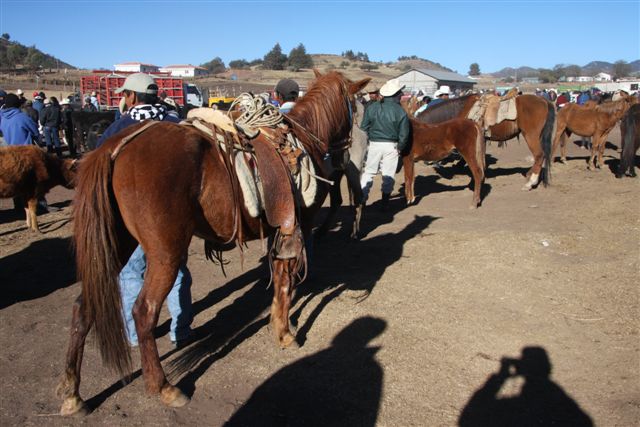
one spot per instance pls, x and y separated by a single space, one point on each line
323 388
38 270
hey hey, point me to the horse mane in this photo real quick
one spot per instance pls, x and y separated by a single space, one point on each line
449 108
323 108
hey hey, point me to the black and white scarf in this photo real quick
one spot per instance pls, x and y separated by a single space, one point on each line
148 112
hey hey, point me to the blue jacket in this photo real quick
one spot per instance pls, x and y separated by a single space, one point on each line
125 121
17 128
37 105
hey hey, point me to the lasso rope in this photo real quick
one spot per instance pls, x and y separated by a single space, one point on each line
257 111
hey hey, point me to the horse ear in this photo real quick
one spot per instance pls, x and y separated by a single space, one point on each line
317 73
356 87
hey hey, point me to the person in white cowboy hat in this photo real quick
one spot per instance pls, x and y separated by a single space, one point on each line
21 97
388 128
140 93
94 100
441 95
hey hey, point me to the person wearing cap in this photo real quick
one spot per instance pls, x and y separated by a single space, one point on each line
441 95
388 128
140 92
67 124
88 106
426 99
94 101
50 119
16 127
286 93
38 101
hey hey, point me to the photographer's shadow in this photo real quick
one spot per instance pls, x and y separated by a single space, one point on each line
339 386
541 402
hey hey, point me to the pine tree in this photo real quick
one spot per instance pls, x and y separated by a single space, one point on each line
299 58
474 69
275 59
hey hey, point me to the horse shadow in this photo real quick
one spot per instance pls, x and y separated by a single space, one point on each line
323 388
38 270
356 267
431 184
541 402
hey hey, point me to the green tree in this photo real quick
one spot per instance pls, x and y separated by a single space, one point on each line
474 69
238 64
215 65
621 69
6 36
275 59
299 58
344 64
16 54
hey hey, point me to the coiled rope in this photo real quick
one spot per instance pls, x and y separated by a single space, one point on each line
256 111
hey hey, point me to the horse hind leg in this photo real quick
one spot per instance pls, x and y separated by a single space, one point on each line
69 387
31 211
158 282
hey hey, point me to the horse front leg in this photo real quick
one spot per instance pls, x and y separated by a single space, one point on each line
353 181
32 216
335 198
69 387
157 284
409 177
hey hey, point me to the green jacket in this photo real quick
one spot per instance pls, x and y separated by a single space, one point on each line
387 121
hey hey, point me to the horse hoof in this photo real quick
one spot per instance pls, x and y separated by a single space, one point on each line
286 340
173 397
526 187
73 406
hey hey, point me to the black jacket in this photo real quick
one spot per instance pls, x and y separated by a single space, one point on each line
50 116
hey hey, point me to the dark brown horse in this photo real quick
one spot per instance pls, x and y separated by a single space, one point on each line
589 121
435 142
630 137
168 183
535 121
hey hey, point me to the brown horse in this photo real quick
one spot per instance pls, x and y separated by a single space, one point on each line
435 142
589 121
535 121
161 184
29 173
630 137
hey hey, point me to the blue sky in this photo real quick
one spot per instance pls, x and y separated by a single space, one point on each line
495 34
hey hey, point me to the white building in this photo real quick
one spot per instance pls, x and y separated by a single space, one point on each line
428 81
136 67
581 79
602 77
184 70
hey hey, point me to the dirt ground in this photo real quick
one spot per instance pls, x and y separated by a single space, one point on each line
407 327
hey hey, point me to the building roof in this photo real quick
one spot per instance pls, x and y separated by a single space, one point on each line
442 75
185 66
136 63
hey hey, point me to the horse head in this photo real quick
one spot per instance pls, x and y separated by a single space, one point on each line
324 116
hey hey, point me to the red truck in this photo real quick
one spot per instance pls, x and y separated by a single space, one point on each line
104 83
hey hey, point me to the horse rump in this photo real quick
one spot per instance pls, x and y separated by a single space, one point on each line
630 141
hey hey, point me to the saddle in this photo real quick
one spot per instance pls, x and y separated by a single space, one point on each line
491 109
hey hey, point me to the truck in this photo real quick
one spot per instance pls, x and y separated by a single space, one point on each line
104 83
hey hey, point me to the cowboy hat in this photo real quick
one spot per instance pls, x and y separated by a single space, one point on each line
444 90
391 87
65 101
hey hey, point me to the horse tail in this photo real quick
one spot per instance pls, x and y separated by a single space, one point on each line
481 148
546 138
628 149
95 227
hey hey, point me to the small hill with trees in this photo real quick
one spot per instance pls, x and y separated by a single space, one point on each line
15 56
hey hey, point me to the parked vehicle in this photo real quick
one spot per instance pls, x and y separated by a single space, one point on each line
104 84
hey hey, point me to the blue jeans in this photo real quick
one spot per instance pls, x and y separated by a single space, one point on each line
178 301
49 133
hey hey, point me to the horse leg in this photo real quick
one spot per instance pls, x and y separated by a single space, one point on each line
31 210
603 144
559 138
538 159
353 181
409 178
158 282
69 387
469 155
335 198
282 293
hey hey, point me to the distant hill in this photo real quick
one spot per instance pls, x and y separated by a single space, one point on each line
16 56
590 69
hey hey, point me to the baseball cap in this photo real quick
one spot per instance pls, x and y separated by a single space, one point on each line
139 82
287 87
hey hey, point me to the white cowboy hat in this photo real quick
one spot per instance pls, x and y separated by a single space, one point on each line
391 87
444 90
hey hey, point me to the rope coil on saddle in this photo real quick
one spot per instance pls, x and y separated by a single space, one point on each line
257 111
